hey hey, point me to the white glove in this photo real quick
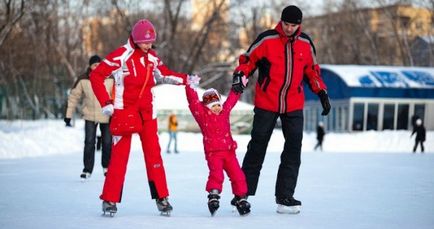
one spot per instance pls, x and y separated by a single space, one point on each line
108 109
193 81
245 81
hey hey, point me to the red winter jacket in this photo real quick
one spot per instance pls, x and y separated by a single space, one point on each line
282 62
131 68
216 129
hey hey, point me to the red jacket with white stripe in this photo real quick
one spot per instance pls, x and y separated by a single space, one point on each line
283 62
131 69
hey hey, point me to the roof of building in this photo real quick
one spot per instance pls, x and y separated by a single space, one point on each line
344 81
428 39
383 76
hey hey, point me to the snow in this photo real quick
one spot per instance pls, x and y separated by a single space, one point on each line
178 100
360 180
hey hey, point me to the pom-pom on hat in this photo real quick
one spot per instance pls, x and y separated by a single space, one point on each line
143 32
211 97
292 14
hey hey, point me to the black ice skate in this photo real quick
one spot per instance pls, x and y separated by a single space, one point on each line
288 205
109 207
213 201
241 204
164 206
84 176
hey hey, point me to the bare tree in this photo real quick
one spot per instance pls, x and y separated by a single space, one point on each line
12 12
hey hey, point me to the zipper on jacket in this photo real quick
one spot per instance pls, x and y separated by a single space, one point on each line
134 67
288 77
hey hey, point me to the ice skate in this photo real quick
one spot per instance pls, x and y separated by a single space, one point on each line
288 205
241 205
84 176
109 207
164 206
213 201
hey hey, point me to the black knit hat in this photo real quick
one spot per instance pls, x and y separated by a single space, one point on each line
292 14
94 59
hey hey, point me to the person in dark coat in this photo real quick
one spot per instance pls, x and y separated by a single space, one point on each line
319 135
420 131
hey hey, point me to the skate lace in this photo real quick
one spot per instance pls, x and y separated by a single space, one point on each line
241 201
213 197
163 202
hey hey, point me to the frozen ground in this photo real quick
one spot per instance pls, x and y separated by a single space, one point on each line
367 180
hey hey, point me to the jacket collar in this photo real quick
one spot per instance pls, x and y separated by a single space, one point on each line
132 46
282 34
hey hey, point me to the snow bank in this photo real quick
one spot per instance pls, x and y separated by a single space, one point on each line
21 139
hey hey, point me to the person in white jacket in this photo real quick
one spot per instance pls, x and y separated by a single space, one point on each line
92 114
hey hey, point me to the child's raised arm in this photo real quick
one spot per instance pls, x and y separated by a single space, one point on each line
232 99
193 100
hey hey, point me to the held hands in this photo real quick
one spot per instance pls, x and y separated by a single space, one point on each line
67 122
193 81
239 82
325 102
108 109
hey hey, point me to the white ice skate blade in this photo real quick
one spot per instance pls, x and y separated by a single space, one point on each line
282 209
108 213
167 214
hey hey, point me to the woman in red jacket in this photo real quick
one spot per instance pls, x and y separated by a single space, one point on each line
213 120
136 69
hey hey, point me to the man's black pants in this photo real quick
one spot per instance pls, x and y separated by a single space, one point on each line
263 125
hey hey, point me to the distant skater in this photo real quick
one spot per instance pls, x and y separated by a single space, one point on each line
319 135
93 117
173 130
420 131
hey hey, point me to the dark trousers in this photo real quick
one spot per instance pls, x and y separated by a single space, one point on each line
318 144
417 143
89 145
263 125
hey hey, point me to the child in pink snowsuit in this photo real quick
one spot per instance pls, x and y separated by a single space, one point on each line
213 120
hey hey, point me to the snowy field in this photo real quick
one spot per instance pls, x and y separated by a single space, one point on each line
362 180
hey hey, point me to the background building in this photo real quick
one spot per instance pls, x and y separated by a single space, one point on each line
372 36
423 50
373 98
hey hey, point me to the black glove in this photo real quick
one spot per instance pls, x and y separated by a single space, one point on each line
325 102
237 82
67 121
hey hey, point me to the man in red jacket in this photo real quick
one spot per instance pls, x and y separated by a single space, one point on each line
284 57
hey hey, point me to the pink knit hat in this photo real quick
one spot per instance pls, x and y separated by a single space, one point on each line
143 32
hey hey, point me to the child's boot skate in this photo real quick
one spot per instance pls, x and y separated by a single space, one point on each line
213 201
164 206
241 204
288 205
109 207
